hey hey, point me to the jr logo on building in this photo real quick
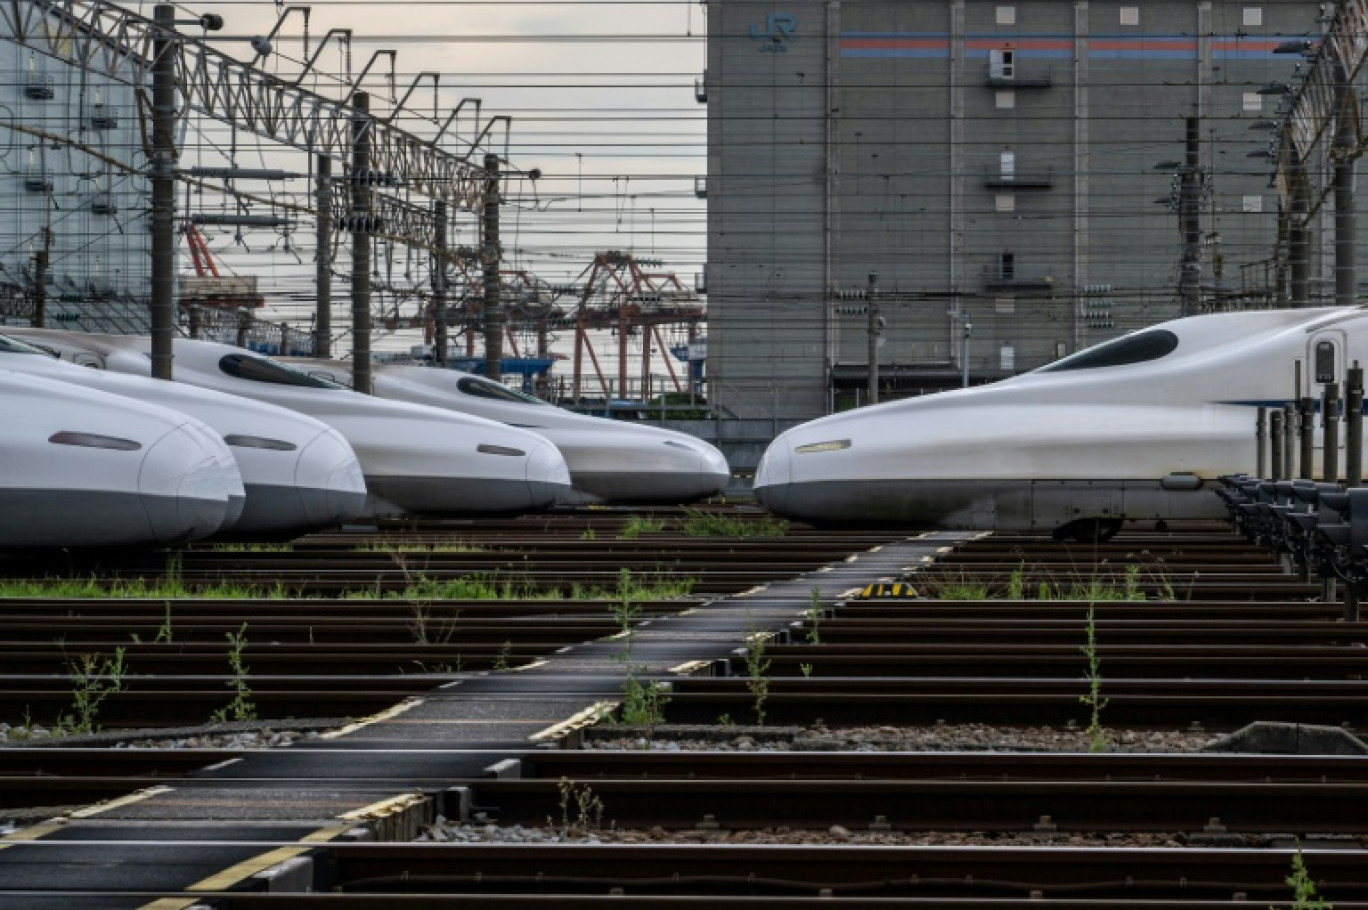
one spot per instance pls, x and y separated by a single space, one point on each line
779 27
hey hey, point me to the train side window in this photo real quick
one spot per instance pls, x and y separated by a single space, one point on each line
263 369
1325 362
1137 348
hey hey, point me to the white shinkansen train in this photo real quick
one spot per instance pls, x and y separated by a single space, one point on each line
610 461
1135 428
415 459
299 474
83 468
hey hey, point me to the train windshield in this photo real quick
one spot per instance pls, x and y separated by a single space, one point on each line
263 369
1137 348
11 346
485 388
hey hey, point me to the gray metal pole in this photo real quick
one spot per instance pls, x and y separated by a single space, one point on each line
361 251
323 264
439 284
1275 439
1289 440
1343 155
489 263
40 271
966 330
163 305
1306 424
872 309
1299 239
1260 434
1330 433
1353 429
1190 221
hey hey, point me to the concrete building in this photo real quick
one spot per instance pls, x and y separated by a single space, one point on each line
1014 180
74 236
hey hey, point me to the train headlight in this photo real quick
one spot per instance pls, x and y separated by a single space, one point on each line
488 448
259 442
94 441
834 445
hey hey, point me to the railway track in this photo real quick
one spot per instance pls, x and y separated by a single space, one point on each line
1222 639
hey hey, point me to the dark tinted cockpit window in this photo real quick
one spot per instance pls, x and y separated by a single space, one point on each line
262 369
484 388
1137 348
14 346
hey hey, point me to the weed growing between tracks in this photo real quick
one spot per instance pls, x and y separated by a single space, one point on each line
241 708
637 525
758 673
701 523
416 586
643 701
813 616
93 679
587 809
1136 581
1305 896
1093 699
136 589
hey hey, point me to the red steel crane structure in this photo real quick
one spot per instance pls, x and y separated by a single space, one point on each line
619 295
615 293
207 287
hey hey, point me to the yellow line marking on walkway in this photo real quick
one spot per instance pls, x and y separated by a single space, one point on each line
223 881
130 799
364 722
384 807
579 719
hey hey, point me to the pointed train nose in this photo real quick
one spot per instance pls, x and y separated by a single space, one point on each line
548 476
774 477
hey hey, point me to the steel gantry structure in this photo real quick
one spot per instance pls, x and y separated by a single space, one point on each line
122 46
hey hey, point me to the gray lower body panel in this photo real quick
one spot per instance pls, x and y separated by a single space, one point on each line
32 519
1023 505
281 511
647 487
457 496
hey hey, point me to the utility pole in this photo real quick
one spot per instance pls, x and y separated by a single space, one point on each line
361 251
163 312
323 263
964 351
40 270
439 284
1342 153
1190 221
489 263
874 331
1299 234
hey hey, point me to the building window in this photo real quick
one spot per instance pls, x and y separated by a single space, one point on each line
1000 63
1005 99
1007 358
1007 266
1130 15
1061 349
1007 164
1006 15
1006 202
1252 204
1006 304
1252 102
1253 15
